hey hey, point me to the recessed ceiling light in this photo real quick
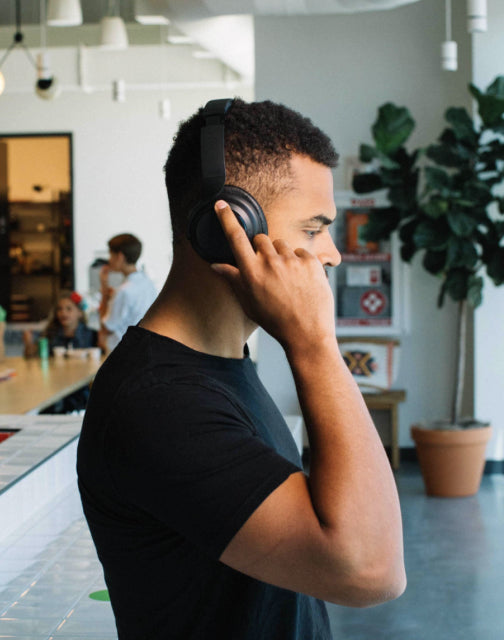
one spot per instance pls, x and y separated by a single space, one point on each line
152 20
179 38
203 54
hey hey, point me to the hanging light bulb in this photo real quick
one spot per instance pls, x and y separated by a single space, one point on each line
476 16
449 58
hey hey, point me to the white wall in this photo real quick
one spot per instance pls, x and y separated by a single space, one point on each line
338 70
119 149
489 325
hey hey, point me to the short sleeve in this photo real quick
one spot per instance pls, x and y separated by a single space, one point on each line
189 456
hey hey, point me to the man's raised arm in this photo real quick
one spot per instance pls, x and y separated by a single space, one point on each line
336 535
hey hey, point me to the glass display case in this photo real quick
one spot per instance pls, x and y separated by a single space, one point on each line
370 283
40 257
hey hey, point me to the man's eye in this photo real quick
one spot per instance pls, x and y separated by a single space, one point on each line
311 233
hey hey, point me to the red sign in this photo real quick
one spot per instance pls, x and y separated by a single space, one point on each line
373 302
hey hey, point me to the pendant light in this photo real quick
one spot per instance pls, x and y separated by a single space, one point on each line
64 13
476 16
448 47
113 29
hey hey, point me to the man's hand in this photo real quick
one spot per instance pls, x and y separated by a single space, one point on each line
284 290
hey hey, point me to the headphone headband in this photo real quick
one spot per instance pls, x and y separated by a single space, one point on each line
213 164
204 230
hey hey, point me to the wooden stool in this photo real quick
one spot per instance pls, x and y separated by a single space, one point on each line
388 400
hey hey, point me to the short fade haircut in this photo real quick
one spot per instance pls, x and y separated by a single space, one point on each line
128 244
260 138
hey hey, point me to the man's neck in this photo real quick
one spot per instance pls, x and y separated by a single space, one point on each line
128 269
197 308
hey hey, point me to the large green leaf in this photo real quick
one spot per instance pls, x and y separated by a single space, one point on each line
497 87
437 178
461 253
490 105
460 223
477 192
392 127
447 155
381 223
462 125
431 235
434 261
408 250
475 291
367 153
495 267
436 207
457 283
367 182
407 229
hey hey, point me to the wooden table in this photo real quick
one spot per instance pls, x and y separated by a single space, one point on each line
388 401
38 384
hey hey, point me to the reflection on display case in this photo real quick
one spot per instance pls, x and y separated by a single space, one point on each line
367 282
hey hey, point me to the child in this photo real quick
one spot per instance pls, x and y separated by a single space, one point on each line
66 326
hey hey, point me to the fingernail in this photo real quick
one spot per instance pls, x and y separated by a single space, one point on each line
220 204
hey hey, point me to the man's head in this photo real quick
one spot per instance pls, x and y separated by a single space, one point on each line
126 244
261 138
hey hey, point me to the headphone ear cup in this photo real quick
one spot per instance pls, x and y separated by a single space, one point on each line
205 232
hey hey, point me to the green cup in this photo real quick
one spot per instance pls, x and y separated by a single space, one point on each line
43 345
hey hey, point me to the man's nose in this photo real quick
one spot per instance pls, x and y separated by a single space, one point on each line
329 256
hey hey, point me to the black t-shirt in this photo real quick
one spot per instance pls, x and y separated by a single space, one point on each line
178 448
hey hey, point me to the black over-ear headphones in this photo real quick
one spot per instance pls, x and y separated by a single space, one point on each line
204 230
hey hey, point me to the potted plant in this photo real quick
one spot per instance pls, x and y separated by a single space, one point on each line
443 202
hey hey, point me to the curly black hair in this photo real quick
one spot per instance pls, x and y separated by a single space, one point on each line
259 138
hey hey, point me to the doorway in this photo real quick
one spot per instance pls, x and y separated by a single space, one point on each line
36 224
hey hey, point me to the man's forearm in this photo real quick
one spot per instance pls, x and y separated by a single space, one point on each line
351 484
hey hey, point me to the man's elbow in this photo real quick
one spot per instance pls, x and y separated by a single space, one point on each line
370 586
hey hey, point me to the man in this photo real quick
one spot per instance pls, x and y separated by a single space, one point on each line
126 306
203 519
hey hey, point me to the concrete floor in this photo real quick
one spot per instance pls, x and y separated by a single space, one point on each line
454 551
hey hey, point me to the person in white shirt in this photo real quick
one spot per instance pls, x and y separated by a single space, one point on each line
127 304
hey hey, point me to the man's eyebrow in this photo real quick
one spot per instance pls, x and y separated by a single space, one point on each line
321 218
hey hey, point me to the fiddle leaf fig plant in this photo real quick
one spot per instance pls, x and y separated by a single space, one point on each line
444 200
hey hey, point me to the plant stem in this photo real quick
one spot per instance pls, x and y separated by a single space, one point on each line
460 361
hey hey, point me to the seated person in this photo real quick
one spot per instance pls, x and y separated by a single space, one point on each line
66 328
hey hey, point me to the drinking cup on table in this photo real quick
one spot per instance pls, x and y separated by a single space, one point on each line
94 353
43 345
59 352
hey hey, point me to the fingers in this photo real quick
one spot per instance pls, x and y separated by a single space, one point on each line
235 234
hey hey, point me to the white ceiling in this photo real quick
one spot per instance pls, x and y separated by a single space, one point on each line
223 27
94 10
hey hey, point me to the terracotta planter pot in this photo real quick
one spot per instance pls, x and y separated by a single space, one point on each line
451 462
